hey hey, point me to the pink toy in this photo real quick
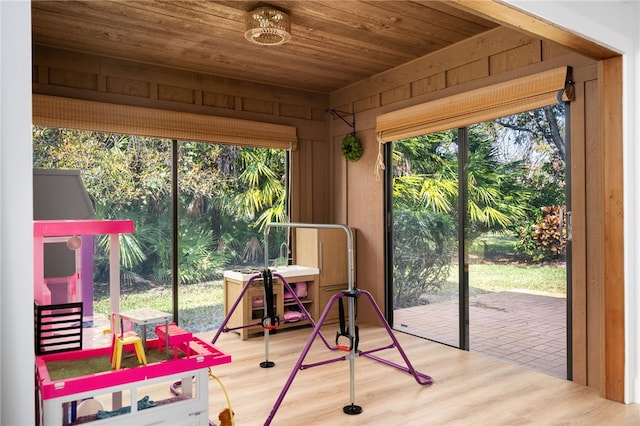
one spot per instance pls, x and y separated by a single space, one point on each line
178 339
191 408
69 231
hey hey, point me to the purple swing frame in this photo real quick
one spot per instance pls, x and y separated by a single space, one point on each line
351 294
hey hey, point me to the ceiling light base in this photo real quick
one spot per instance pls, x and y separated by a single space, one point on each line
267 26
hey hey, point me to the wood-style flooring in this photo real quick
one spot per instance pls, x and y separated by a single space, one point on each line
468 389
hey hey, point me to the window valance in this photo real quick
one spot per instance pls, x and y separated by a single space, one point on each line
125 119
483 104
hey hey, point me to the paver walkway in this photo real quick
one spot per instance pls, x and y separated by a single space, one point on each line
523 328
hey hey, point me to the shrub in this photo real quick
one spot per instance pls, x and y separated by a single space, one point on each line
545 238
423 244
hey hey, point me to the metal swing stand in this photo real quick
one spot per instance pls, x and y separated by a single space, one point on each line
270 321
351 335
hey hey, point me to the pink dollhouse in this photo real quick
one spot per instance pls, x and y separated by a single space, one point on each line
124 396
62 400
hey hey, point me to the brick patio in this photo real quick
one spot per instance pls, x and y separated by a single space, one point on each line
524 328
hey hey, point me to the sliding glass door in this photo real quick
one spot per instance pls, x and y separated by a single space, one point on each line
477 239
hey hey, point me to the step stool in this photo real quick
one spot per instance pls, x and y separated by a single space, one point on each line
178 339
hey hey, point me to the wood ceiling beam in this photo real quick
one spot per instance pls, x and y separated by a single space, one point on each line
508 16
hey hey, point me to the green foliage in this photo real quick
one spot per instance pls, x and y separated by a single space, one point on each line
200 258
545 238
426 170
423 242
514 167
351 147
227 194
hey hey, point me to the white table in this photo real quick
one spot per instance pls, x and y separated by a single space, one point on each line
148 316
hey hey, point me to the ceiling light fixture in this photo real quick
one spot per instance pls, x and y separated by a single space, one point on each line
267 26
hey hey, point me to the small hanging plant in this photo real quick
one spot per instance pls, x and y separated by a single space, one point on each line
351 147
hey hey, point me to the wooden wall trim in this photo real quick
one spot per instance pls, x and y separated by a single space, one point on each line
593 238
587 253
579 232
614 326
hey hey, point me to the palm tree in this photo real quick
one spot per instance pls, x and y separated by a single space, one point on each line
425 205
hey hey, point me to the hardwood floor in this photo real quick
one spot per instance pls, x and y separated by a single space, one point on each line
468 389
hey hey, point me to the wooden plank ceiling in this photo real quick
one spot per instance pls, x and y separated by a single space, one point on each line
333 43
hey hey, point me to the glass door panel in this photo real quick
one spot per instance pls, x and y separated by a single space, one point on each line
517 241
425 237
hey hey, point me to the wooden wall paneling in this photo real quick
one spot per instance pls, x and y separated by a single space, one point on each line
289 110
340 176
178 94
218 100
40 74
575 60
366 214
396 94
594 233
178 90
365 104
127 86
614 326
74 79
301 182
258 105
65 59
550 50
476 48
428 84
578 245
339 182
322 182
467 72
515 58
92 64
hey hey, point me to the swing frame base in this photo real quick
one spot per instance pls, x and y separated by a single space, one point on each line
352 409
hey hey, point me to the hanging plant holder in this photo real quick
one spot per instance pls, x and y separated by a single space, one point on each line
351 145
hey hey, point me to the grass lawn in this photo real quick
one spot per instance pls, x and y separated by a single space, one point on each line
490 278
201 305
492 243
